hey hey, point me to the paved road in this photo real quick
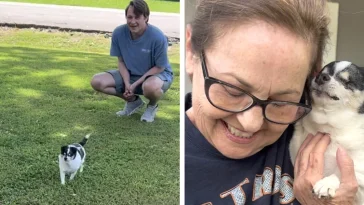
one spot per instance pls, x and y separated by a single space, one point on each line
75 17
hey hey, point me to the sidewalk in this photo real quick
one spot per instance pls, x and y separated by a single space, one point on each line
84 18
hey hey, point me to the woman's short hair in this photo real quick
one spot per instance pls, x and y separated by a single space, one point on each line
305 18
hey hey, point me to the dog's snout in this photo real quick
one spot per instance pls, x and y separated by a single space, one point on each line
322 78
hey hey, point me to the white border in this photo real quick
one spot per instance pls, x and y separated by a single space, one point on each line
182 102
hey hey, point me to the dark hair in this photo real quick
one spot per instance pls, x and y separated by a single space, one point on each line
140 8
305 18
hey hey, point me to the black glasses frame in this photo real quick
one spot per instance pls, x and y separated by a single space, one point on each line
256 101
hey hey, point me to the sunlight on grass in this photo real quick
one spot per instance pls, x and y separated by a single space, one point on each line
50 73
165 116
6 56
60 135
29 92
82 128
68 58
90 43
73 81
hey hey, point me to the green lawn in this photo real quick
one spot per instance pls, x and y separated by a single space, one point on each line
46 101
170 6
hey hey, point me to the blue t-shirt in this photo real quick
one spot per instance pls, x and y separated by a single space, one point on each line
265 178
144 53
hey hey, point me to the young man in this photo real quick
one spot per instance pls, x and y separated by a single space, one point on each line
143 65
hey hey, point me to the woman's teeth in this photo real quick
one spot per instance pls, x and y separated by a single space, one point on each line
238 133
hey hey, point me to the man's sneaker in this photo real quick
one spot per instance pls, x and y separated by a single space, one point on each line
131 107
149 113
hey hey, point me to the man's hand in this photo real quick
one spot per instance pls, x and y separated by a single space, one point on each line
309 168
129 92
130 89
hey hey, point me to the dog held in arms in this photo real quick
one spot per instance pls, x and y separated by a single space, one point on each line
337 94
72 159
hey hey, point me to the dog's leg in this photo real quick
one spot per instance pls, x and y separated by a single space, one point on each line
61 172
73 175
327 186
63 176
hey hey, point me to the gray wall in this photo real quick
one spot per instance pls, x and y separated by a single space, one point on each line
189 10
350 36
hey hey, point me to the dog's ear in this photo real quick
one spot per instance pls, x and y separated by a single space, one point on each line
63 149
73 150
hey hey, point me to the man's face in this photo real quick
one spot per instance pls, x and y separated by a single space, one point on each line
136 24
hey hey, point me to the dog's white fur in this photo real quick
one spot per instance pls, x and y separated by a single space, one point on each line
339 118
71 167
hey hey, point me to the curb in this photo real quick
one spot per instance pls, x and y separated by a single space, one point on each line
16 25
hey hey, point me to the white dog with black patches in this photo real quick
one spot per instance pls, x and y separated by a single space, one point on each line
338 109
72 159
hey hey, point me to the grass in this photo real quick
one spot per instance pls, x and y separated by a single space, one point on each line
46 101
169 6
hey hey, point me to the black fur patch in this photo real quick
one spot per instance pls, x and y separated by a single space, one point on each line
361 109
361 73
82 154
83 142
73 151
64 150
331 68
356 78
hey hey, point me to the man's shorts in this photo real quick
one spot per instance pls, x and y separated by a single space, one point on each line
120 86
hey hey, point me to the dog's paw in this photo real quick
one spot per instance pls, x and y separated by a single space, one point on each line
327 186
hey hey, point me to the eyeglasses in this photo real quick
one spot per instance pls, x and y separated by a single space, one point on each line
230 98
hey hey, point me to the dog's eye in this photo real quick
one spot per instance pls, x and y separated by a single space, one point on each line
349 83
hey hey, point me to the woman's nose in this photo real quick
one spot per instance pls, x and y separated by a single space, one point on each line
252 119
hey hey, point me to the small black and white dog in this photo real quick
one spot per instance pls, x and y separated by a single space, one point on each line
72 159
338 109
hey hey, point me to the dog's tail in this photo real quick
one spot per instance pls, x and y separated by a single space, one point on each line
84 140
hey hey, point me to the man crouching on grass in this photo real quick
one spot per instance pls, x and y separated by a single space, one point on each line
143 65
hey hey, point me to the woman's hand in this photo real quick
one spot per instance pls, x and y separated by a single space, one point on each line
309 168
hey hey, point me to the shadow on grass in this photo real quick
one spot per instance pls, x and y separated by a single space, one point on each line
46 101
